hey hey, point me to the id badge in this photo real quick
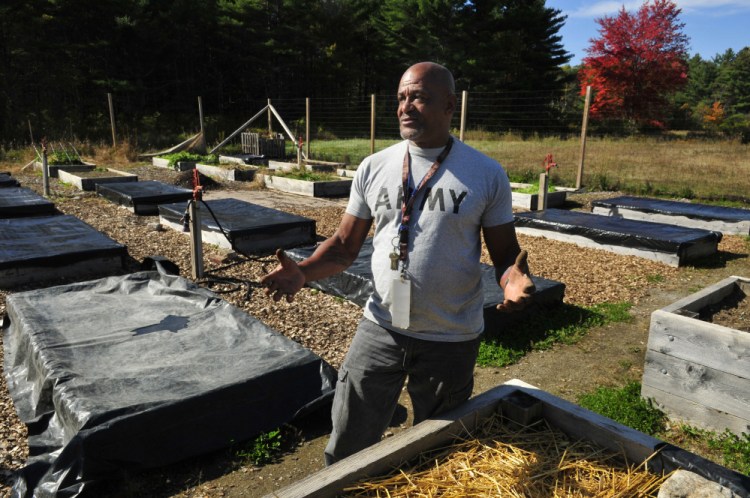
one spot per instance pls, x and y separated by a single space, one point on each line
400 302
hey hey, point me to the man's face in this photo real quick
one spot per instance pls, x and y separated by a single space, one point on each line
424 110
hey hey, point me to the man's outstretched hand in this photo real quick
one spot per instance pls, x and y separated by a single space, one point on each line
517 285
285 280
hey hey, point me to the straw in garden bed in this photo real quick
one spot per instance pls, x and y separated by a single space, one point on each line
504 459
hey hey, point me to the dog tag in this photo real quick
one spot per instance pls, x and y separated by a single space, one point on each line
400 302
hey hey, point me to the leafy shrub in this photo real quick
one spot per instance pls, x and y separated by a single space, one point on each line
626 406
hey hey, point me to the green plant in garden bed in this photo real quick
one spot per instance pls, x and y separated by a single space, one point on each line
60 157
190 157
533 189
564 324
309 176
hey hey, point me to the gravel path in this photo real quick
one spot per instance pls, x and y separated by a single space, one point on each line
322 323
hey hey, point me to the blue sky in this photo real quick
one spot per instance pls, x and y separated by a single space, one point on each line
712 25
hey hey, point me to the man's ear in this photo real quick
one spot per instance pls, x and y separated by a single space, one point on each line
450 106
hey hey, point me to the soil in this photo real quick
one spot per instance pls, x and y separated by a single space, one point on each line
610 355
732 312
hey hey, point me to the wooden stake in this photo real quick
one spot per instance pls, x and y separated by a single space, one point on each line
196 240
270 123
200 115
45 170
307 126
584 127
112 119
464 100
541 204
372 124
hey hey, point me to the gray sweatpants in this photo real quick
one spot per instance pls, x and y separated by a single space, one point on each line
441 376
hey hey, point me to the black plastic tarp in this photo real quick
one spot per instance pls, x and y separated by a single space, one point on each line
144 197
19 201
675 208
660 237
261 226
355 283
7 181
140 371
51 241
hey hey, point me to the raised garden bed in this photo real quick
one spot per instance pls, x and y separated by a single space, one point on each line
177 166
324 188
231 172
53 169
523 404
87 180
530 201
312 166
697 365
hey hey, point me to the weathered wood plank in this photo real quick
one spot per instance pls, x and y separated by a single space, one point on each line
705 297
696 414
693 340
698 383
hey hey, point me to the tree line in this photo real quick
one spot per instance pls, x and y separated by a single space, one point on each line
60 58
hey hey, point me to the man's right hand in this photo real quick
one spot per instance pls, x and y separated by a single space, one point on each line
285 280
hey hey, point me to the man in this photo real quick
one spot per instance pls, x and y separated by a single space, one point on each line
429 197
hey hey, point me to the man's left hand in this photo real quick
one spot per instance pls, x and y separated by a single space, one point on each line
517 285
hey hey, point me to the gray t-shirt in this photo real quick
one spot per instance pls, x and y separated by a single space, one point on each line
469 191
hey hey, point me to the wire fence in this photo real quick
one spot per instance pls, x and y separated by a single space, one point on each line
525 113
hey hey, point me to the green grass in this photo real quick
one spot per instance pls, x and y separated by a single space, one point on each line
309 176
564 324
626 406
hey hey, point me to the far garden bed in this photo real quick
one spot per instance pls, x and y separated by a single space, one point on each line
87 180
231 172
313 185
525 196
163 162
53 169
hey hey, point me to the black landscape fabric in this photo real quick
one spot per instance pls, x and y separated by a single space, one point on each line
144 197
675 208
355 283
660 237
6 180
19 201
241 219
140 371
52 241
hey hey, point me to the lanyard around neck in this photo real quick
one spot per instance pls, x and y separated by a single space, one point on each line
409 196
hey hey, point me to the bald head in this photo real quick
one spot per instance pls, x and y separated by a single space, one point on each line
426 101
434 73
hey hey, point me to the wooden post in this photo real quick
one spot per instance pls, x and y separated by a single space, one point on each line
196 240
541 204
270 123
584 126
112 119
307 126
464 100
200 115
45 170
372 124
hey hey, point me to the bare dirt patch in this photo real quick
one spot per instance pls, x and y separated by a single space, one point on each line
609 355
733 311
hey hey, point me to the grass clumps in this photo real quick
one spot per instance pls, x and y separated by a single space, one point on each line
564 324
626 406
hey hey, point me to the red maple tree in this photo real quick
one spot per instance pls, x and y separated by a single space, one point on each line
638 60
